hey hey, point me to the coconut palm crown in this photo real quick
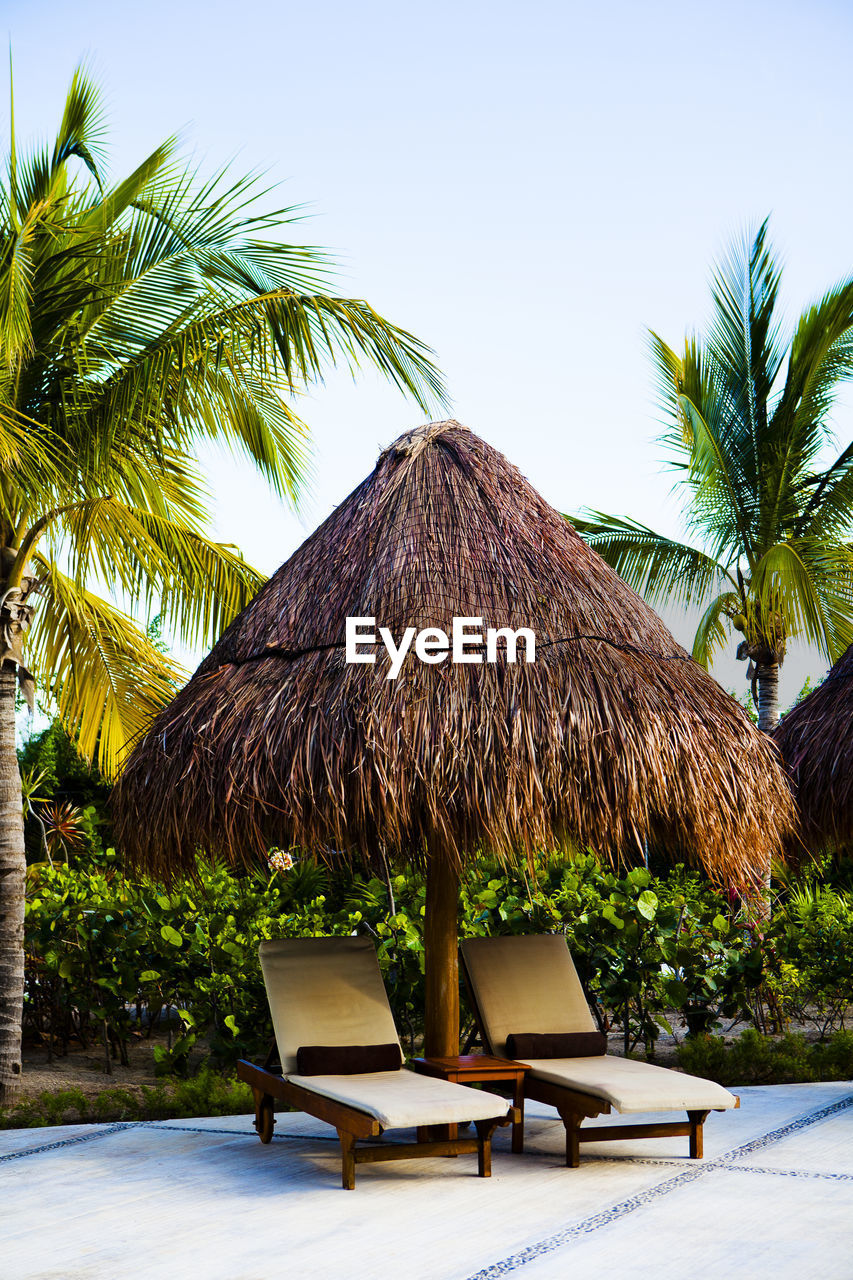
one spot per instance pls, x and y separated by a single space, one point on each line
138 318
748 420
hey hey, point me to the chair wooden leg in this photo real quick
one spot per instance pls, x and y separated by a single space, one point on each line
518 1124
485 1129
697 1119
264 1115
572 1121
347 1160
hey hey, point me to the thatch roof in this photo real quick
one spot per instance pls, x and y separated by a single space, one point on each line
613 735
816 741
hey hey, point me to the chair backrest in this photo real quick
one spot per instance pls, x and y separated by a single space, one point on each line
522 985
325 991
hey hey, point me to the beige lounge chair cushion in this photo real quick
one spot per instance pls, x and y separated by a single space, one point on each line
325 991
403 1100
529 983
633 1086
524 984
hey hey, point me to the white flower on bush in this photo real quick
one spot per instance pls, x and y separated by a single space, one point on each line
280 860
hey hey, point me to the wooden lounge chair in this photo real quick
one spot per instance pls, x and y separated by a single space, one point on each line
521 987
328 1003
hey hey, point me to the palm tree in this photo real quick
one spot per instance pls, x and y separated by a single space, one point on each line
747 419
138 318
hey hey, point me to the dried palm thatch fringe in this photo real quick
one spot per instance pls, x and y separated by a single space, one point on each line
612 736
816 741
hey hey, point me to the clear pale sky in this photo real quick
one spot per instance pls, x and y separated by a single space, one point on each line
527 187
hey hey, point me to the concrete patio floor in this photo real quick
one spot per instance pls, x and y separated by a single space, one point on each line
204 1199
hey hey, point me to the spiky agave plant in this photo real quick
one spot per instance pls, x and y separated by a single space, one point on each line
138 318
62 828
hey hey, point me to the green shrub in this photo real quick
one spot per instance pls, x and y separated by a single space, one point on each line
101 946
810 948
833 1058
109 954
649 950
206 1094
755 1059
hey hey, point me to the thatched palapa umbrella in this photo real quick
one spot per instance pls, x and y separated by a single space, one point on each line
816 741
613 735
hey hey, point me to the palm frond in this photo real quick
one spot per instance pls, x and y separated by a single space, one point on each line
82 129
721 499
32 461
105 213
807 584
714 627
821 358
702 446
16 287
81 134
669 379
105 676
226 374
745 336
163 565
657 568
825 501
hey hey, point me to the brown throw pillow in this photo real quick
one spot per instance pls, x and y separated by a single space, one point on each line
557 1044
347 1059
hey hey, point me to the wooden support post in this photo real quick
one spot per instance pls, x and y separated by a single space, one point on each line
347 1159
441 1026
697 1119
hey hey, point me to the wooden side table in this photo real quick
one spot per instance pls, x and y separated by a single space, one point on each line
479 1068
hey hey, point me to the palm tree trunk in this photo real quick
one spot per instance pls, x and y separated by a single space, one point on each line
767 675
13 867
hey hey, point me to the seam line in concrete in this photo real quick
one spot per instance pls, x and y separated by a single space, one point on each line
505 1266
164 1127
719 1167
97 1132
794 1126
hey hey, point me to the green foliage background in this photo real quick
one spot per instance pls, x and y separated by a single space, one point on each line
105 950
